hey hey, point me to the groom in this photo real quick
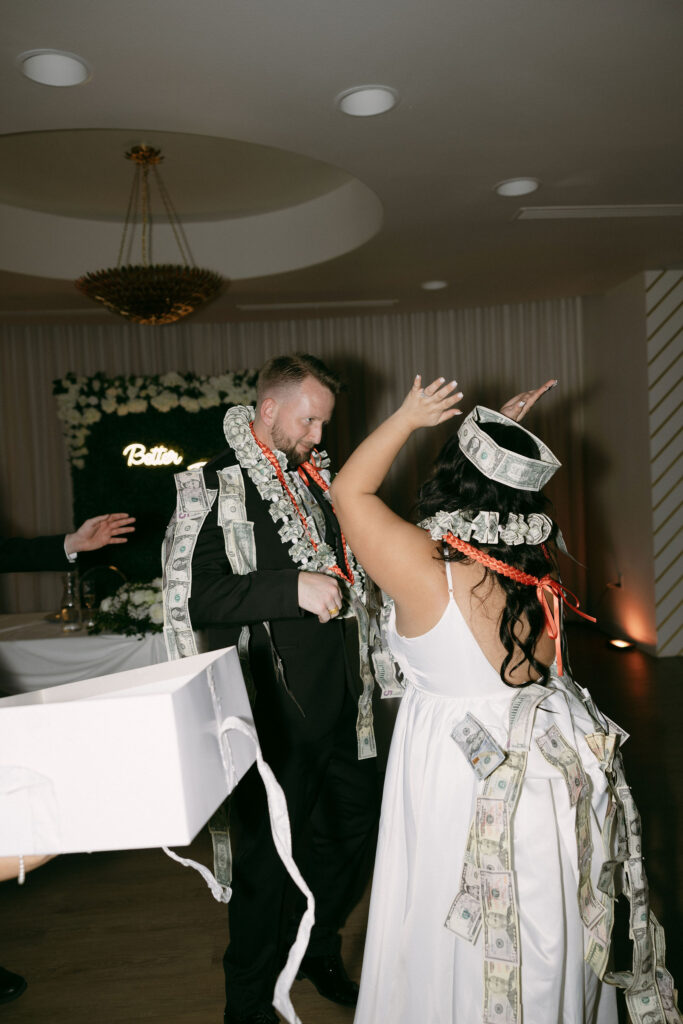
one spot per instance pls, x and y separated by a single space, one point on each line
306 691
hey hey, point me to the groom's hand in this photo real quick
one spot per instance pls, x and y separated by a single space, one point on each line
320 594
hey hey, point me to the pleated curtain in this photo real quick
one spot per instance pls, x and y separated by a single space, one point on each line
492 352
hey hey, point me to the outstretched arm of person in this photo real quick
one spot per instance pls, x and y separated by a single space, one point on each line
97 532
392 550
516 408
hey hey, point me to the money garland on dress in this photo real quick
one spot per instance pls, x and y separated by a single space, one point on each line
487 898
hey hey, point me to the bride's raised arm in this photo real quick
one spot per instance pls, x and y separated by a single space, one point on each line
394 552
389 548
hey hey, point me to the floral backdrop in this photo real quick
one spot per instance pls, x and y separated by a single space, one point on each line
102 416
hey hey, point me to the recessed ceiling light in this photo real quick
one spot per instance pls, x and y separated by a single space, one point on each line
367 100
53 67
433 286
517 186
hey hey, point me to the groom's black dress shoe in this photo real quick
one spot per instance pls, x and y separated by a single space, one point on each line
11 985
257 1017
329 976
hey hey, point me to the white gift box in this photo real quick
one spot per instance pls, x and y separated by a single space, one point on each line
122 761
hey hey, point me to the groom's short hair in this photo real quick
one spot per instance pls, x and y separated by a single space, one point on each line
285 371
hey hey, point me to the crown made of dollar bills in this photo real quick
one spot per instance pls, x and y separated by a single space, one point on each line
487 528
498 463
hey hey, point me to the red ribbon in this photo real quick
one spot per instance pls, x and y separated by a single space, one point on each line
553 619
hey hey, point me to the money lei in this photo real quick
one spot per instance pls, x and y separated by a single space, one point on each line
236 426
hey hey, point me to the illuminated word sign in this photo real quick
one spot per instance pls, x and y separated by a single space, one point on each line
138 455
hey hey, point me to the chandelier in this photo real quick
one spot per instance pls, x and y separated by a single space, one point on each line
151 293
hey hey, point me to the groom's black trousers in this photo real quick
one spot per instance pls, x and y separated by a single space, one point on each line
332 799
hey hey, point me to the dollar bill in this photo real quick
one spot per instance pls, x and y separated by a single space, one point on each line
590 907
501 932
645 1007
179 565
366 742
384 669
191 492
597 956
171 645
506 782
478 746
616 730
607 882
245 547
492 834
231 500
632 822
502 1004
668 995
186 644
464 916
559 753
522 713
639 895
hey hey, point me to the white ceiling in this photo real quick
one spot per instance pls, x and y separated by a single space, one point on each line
585 96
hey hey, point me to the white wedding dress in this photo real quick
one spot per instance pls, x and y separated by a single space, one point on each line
416 970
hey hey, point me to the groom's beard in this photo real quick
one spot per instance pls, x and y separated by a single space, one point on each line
295 452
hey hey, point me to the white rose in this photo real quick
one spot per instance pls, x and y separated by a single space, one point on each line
190 404
122 409
156 613
164 401
137 405
106 604
108 405
137 597
171 380
92 416
206 403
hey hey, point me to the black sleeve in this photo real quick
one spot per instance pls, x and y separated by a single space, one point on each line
221 598
40 554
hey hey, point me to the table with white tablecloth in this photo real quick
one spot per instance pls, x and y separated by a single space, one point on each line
35 653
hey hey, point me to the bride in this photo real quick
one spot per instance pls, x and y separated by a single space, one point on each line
507 825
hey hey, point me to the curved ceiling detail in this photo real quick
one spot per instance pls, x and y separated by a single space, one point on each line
247 210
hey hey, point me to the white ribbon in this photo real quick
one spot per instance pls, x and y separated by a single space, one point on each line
282 838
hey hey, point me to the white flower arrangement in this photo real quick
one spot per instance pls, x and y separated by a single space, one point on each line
135 609
83 401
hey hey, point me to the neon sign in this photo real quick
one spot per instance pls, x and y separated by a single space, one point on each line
138 455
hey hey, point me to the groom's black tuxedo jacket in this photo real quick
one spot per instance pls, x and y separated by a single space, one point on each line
314 654
39 554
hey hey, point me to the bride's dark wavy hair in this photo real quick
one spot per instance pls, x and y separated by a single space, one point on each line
455 483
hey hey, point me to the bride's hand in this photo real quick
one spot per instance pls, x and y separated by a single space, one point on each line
517 408
427 407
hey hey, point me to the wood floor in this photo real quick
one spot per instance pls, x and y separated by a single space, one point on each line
123 937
